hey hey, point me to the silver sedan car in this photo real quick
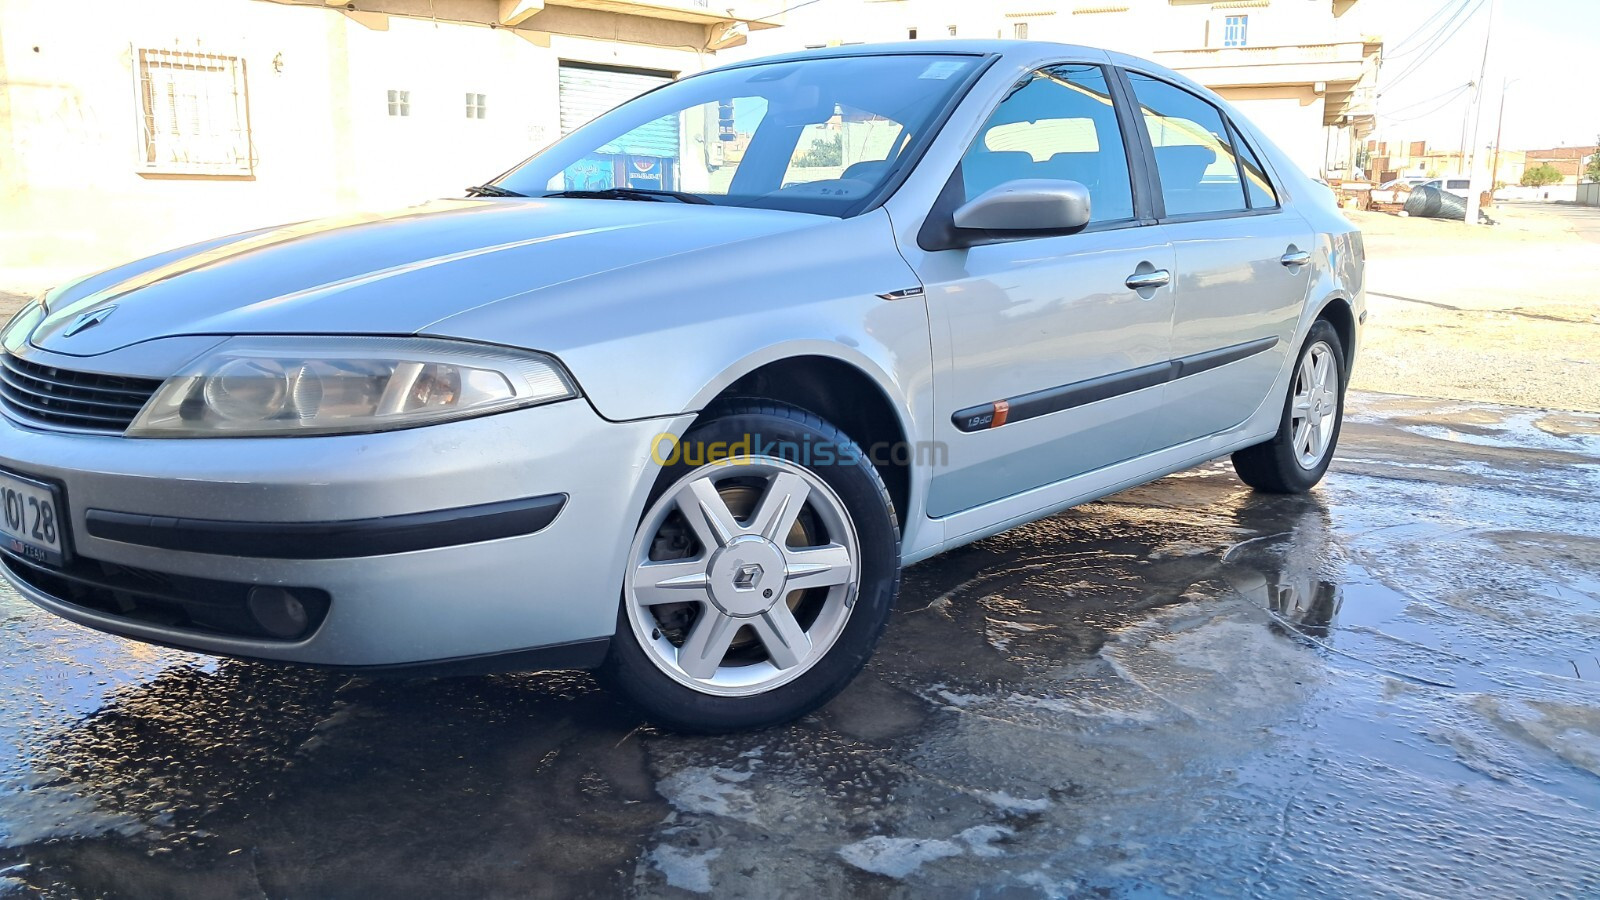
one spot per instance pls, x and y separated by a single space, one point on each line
677 398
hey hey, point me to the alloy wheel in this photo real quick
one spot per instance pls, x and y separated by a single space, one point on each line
742 576
1315 409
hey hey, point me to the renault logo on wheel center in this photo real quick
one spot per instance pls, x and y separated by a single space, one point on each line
747 576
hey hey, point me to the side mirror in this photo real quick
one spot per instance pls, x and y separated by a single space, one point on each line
1027 205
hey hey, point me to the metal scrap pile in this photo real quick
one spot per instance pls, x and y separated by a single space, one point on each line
1433 203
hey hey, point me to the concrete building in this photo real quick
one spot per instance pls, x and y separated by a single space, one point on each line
1388 160
1569 161
130 126
1303 70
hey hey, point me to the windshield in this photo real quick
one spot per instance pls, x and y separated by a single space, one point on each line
816 135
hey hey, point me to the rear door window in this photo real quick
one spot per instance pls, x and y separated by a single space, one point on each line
1256 183
1194 157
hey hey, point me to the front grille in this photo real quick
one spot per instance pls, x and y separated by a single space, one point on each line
62 398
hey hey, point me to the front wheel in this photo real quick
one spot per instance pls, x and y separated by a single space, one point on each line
1298 456
760 577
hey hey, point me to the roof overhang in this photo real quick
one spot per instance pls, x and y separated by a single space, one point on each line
1267 66
755 14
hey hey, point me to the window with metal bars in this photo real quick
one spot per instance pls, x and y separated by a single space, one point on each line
195 114
1235 31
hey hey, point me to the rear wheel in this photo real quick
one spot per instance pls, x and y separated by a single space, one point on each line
1298 456
757 585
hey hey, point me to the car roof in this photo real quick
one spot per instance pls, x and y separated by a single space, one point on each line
966 46
1023 54
1020 52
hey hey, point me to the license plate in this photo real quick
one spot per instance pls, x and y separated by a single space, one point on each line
33 520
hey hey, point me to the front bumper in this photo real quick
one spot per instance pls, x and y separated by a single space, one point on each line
446 543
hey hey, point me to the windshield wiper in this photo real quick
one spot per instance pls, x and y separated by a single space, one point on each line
631 193
491 190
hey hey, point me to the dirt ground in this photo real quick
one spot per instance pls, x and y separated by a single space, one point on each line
1508 314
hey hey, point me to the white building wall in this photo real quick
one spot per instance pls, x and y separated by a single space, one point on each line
1144 27
1291 116
71 194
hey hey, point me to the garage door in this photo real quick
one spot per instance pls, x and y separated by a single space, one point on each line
646 157
588 91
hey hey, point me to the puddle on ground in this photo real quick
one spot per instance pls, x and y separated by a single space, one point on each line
1388 688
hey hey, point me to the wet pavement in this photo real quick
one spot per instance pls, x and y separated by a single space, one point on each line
1388 688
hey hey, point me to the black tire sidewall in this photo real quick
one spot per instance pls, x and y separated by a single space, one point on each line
794 435
1297 477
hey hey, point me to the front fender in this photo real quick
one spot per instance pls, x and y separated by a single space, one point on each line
663 337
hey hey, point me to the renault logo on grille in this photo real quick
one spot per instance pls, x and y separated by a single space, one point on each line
88 320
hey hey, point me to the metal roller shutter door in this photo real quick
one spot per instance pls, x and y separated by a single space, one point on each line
588 91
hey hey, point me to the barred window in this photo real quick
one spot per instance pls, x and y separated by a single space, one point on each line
399 103
195 114
477 107
1236 31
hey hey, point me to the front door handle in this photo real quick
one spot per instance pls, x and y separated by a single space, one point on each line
1295 257
1144 281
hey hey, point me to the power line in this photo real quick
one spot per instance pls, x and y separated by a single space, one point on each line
1437 43
1453 93
782 11
1448 102
1426 24
1446 32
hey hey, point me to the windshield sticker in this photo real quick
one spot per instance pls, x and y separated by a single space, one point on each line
943 69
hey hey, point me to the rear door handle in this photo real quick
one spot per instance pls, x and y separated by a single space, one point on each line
1296 258
1143 281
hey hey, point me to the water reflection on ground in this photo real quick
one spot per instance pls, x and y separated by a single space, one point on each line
1387 688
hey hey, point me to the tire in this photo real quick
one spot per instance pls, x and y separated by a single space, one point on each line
1290 463
753 567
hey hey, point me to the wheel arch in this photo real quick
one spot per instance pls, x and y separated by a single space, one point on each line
845 394
1337 312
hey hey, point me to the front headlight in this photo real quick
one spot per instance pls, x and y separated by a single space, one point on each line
21 326
304 386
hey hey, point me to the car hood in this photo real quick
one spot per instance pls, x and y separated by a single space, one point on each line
383 273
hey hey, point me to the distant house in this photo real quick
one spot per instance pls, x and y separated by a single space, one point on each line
1566 160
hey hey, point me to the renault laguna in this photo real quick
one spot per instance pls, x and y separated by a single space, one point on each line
678 397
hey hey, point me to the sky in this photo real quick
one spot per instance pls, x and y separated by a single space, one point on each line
1550 48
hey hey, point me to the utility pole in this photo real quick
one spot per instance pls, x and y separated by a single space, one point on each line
1500 130
1474 201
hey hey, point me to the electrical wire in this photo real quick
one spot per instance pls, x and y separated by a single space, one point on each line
785 10
1446 32
1448 102
1438 42
1410 106
1398 49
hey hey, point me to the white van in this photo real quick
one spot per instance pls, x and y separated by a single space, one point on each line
1459 185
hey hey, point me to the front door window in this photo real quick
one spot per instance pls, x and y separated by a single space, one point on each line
1057 123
